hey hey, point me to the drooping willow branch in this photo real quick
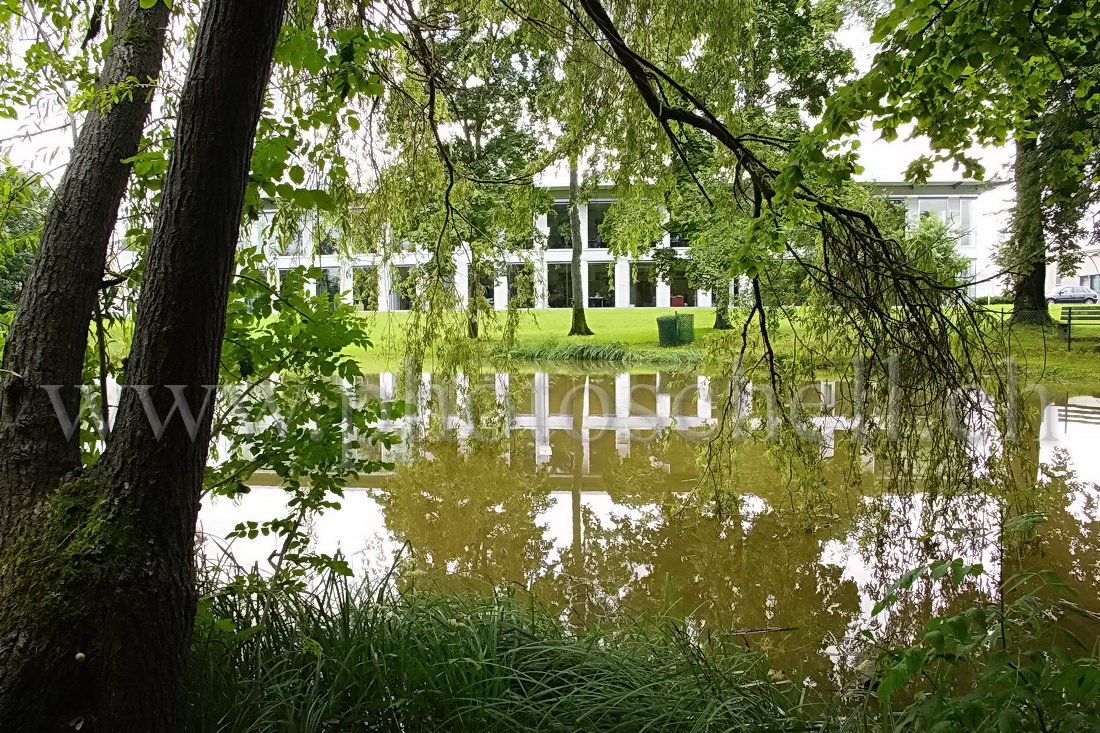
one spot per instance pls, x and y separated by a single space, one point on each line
891 303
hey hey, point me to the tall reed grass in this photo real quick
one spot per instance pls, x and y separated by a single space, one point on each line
346 657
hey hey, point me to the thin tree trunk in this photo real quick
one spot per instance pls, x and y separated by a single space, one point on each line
721 308
97 622
48 338
1029 245
473 293
580 324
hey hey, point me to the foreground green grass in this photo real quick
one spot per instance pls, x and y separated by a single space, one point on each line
342 657
375 660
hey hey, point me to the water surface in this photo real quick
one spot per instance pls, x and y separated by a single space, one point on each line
586 491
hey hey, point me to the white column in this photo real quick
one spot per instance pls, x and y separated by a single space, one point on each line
585 264
664 402
464 416
542 412
346 282
703 299
500 293
622 395
542 288
462 280
504 398
702 401
542 223
582 209
664 294
622 283
622 412
385 286
424 399
542 396
387 386
586 435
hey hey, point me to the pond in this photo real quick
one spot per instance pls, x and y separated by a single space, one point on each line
587 491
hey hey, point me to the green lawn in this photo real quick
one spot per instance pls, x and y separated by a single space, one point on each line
1040 352
630 326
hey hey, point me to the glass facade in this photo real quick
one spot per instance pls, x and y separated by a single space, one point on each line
521 285
683 295
329 283
600 285
559 285
404 286
597 211
543 278
364 288
558 221
643 288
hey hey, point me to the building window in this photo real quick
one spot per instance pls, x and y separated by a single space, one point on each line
643 290
597 211
329 284
681 292
481 284
955 211
364 288
521 285
327 241
677 237
404 288
559 286
965 223
294 247
969 275
936 207
558 221
599 285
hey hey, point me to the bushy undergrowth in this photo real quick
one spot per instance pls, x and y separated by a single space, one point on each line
348 658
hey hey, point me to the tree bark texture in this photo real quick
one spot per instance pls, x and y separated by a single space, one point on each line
579 326
48 338
104 639
722 308
1029 245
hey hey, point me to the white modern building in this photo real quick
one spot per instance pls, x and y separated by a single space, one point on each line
620 282
1086 274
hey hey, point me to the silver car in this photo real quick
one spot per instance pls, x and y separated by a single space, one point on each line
1073 294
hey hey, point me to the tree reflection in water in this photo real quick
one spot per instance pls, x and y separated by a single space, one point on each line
596 494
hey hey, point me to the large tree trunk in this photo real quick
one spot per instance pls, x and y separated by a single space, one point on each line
580 325
1029 241
99 600
48 338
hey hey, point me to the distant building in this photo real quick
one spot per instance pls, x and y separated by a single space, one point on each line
609 281
1087 273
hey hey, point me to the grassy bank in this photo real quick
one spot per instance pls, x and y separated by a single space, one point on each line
343 657
632 328
373 660
629 337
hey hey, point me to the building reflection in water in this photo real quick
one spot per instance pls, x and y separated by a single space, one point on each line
578 489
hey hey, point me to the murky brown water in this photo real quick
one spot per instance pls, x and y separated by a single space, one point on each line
598 509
